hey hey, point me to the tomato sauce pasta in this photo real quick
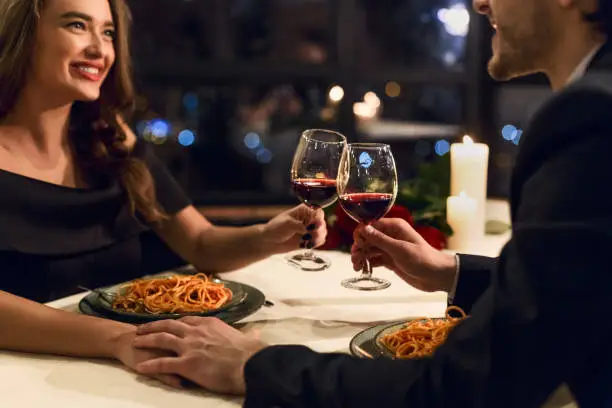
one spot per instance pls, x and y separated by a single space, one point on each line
176 294
420 337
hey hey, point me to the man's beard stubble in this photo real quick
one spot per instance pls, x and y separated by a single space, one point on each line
519 50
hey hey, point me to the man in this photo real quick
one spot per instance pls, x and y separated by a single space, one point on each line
538 313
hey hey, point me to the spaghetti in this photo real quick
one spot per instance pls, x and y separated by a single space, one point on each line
421 337
176 294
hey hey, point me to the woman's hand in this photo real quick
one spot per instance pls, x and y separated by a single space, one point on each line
394 244
131 356
298 227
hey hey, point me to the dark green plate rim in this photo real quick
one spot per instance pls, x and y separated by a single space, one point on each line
252 302
365 344
98 302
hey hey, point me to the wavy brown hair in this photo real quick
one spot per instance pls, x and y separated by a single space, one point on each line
96 130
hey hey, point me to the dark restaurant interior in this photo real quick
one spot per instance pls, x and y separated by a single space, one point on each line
227 86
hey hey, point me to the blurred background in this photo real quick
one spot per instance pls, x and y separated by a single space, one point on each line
228 85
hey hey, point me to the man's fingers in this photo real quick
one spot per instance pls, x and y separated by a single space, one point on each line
162 365
381 240
175 327
198 321
193 321
170 380
399 226
161 341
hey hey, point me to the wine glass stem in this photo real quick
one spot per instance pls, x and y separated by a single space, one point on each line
366 272
308 254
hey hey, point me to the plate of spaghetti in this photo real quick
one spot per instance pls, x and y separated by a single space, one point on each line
171 296
416 338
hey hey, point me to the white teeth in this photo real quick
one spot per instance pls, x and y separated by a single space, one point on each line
89 70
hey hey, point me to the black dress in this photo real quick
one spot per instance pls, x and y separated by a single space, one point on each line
53 238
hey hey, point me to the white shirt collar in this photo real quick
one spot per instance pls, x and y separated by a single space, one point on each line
580 70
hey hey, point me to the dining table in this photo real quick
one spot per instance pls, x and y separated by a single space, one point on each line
308 308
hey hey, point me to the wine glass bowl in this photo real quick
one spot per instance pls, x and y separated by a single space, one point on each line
366 207
315 193
314 171
367 188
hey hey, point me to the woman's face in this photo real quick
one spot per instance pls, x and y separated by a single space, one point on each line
74 49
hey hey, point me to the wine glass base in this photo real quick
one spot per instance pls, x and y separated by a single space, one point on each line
311 263
366 283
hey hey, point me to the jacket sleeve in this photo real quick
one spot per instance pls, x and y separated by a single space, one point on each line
543 315
474 277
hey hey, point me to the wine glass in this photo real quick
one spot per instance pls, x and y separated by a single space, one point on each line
367 188
313 177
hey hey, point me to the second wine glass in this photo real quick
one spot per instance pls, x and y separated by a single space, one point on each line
313 177
367 187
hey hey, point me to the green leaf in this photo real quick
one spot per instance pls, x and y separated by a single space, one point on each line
495 227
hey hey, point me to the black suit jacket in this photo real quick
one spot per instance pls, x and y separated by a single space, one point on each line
539 313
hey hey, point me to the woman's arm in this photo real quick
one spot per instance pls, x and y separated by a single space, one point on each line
220 249
28 326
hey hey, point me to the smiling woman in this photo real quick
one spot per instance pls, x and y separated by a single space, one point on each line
77 189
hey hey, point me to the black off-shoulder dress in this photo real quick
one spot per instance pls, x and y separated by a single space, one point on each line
54 238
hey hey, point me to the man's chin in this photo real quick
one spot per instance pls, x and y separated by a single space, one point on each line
504 71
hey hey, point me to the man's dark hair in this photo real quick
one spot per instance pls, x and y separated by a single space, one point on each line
602 17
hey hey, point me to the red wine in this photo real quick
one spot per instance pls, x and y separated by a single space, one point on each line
366 207
315 192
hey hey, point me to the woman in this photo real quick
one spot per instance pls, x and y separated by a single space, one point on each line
78 189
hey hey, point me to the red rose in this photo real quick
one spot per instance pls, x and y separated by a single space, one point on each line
433 236
347 225
333 240
399 211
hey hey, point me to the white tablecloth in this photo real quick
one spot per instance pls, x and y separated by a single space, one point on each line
310 308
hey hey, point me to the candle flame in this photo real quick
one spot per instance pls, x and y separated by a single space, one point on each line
467 140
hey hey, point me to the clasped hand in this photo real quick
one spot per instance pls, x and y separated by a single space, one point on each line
203 350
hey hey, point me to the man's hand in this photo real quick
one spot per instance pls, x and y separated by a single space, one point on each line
300 226
394 244
206 351
131 356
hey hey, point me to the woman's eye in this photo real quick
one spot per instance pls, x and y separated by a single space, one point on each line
109 33
77 24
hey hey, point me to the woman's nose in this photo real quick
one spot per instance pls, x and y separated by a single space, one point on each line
94 51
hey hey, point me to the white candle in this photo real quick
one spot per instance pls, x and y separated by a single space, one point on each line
462 217
469 168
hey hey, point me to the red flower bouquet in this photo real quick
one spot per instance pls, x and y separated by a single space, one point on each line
341 227
422 203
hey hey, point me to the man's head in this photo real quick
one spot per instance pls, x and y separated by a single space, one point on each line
528 32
